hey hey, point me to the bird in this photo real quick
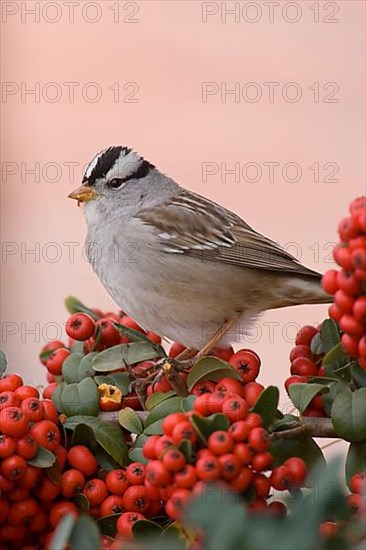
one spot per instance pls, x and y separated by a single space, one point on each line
178 263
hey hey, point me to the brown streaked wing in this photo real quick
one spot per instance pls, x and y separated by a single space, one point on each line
193 225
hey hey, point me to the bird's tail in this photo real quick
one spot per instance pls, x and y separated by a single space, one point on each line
304 290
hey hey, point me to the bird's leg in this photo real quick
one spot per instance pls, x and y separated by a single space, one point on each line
215 339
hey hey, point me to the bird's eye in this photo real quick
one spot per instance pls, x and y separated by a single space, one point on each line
115 183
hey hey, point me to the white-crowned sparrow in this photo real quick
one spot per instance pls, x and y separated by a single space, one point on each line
178 263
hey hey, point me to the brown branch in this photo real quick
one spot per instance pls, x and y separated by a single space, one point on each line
310 426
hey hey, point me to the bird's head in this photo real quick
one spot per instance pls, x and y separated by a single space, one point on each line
118 180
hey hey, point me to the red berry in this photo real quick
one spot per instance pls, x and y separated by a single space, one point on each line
26 447
344 301
157 474
33 409
297 468
239 431
135 499
125 523
349 324
10 382
208 468
223 352
295 379
252 391
184 430
258 440
13 467
235 408
220 442
116 482
61 509
231 465
113 504
342 256
358 483
135 473
186 477
174 460
82 459
359 258
177 503
171 421
109 334
347 229
305 335
13 422
350 344
7 446
230 385
303 367
46 434
335 312
281 478
203 387
300 351
262 461
80 326
329 281
72 482
247 363
348 282
359 309
55 361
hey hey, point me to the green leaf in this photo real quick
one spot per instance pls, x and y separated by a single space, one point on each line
81 398
336 354
56 396
108 435
266 405
187 403
348 414
302 394
84 435
81 501
206 426
73 305
43 458
130 421
144 529
62 532
136 336
119 379
85 534
108 525
135 455
85 368
114 358
210 368
330 334
3 363
303 447
162 410
356 460
185 447
70 368
358 375
156 428
104 459
158 397
316 344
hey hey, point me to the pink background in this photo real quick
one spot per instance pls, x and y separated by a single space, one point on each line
169 52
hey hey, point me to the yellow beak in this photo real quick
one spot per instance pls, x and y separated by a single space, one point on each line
84 193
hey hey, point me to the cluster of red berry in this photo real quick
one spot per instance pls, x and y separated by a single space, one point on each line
26 425
348 285
96 336
356 501
305 365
